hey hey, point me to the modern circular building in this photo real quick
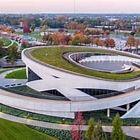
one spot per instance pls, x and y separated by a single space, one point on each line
81 79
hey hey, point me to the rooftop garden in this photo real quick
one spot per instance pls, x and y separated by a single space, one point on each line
54 57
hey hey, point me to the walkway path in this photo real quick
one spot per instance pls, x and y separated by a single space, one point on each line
132 131
12 42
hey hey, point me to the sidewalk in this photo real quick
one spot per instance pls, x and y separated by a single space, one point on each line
133 131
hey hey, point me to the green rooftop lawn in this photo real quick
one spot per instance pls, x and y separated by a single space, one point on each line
19 74
54 56
15 131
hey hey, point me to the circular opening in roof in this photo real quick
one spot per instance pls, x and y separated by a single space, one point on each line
103 62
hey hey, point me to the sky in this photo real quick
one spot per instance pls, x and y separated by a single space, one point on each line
67 6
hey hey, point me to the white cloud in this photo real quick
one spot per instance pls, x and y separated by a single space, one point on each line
91 6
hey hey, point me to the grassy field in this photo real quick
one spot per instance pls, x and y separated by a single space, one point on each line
6 41
15 131
19 74
54 58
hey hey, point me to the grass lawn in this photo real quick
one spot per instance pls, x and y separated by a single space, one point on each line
53 56
19 74
6 41
15 131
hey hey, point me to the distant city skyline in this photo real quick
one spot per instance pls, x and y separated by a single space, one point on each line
67 6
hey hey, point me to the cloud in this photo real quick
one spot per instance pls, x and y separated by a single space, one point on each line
54 6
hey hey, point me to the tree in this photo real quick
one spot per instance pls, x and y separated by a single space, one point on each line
44 28
98 42
58 38
78 39
76 131
75 26
13 54
24 44
117 133
26 27
98 132
1 48
110 43
137 43
131 42
32 27
1 43
95 131
90 131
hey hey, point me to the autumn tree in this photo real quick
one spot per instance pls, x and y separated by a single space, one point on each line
106 32
131 41
75 26
58 38
98 42
76 131
93 32
137 43
110 43
26 27
78 39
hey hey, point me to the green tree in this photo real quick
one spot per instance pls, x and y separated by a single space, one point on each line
1 48
99 133
90 131
1 43
13 54
95 131
117 133
32 27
